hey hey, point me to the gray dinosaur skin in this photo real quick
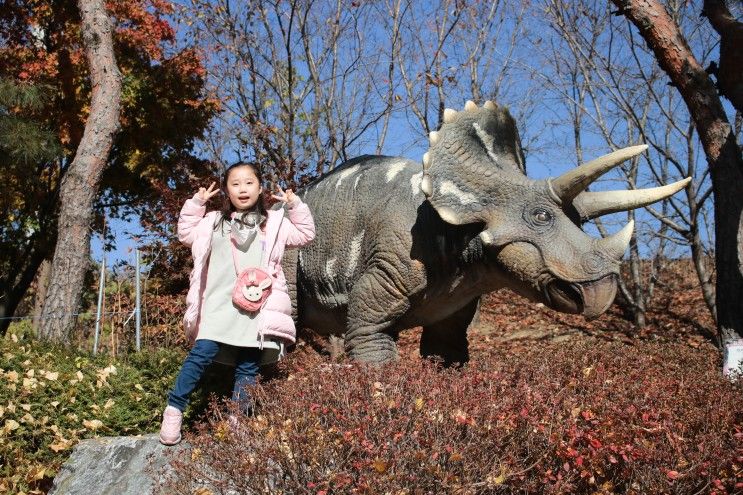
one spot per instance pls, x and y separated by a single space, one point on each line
388 256
388 262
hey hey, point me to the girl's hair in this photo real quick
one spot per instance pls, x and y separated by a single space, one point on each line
228 207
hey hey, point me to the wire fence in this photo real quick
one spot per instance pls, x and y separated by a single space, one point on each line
60 315
118 322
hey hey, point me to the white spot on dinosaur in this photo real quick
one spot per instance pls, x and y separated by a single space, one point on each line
395 169
354 253
448 215
449 188
330 268
356 182
415 183
346 173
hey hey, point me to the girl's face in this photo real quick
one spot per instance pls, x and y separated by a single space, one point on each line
243 188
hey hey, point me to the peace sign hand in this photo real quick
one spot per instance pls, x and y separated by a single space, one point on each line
287 196
207 194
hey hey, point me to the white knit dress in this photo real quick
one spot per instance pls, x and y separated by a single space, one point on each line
221 320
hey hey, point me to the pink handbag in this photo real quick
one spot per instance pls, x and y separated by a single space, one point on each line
252 288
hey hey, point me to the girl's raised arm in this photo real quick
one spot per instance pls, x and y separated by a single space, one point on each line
192 212
300 229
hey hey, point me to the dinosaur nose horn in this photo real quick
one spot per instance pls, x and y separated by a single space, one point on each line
573 182
617 244
595 204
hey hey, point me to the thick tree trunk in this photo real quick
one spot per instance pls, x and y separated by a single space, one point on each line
723 154
80 185
17 286
730 70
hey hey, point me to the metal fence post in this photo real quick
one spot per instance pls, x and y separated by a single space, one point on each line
137 308
101 286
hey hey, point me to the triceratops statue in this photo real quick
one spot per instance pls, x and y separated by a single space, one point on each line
398 246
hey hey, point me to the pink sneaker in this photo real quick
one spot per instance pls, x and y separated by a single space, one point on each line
170 430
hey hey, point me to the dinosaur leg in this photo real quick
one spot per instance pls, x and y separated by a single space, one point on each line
447 339
374 304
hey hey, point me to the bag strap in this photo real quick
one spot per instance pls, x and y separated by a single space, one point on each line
234 256
234 250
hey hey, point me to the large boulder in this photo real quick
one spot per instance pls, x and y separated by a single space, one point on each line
114 465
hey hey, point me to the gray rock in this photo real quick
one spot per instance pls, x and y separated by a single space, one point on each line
113 465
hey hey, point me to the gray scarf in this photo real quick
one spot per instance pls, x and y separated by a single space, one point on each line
244 227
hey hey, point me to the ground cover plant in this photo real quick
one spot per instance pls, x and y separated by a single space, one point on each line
591 416
52 397
550 403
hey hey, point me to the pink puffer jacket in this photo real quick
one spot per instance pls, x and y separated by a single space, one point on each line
195 228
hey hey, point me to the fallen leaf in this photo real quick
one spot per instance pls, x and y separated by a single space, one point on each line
11 425
62 444
36 473
380 466
92 424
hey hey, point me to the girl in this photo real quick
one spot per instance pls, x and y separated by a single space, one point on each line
244 234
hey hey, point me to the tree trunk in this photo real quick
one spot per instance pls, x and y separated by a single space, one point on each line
723 154
80 184
42 282
730 69
16 288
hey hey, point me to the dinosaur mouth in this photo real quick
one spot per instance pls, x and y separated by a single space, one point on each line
589 298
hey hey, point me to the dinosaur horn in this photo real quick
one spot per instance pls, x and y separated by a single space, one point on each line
617 244
449 115
426 160
573 182
594 204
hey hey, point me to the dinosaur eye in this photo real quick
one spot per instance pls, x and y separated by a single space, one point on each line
542 216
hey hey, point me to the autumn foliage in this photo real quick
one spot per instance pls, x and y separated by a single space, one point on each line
42 45
165 108
550 403
589 417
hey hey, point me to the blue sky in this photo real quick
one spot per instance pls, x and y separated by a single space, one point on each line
534 91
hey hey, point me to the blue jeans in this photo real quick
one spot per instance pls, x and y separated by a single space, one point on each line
202 355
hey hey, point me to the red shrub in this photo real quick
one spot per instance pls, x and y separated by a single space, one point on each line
589 417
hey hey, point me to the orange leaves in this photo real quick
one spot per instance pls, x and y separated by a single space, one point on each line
380 466
141 25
